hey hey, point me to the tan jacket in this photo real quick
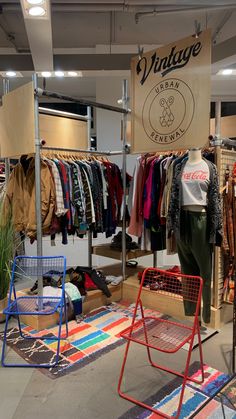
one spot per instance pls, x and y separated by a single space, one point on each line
20 198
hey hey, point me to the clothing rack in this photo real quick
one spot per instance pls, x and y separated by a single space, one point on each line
39 147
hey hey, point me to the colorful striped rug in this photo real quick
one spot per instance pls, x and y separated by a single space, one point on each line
166 399
97 334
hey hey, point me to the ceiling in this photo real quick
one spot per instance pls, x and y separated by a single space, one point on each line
99 37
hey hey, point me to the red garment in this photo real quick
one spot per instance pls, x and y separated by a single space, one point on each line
89 284
115 189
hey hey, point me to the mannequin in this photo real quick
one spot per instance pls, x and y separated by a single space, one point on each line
194 218
194 155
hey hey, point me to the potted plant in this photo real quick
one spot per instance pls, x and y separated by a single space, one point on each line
6 255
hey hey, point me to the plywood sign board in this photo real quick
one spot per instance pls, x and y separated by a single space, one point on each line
227 126
171 96
17 126
58 131
17 122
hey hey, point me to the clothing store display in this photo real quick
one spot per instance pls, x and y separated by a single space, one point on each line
150 197
77 195
195 219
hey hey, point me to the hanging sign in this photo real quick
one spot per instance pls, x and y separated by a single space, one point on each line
170 90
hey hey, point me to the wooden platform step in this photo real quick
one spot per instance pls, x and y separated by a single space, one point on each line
94 299
106 251
166 305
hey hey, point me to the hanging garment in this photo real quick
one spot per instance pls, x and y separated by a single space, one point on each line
20 197
214 211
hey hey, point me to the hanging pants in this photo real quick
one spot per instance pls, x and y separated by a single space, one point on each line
195 255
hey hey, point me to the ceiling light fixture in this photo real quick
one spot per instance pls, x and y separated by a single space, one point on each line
46 74
59 73
37 11
11 73
72 73
227 72
35 2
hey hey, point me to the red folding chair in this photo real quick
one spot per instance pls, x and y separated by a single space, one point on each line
162 334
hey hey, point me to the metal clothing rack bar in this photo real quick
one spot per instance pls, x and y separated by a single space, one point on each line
56 112
82 150
55 95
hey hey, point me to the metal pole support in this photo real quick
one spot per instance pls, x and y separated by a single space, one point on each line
38 182
90 237
124 128
6 89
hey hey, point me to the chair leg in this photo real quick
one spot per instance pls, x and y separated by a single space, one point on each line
122 369
59 338
200 354
4 341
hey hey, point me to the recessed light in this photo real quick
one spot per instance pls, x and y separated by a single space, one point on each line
59 73
34 2
11 73
37 11
227 72
72 73
46 74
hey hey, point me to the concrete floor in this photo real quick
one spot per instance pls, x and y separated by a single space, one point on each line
91 392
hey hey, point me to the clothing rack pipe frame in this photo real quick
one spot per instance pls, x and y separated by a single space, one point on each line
54 95
6 89
38 147
80 150
56 112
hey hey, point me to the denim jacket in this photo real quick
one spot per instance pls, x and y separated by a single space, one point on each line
214 210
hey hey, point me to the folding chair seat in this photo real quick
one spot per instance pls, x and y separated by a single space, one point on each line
32 267
163 334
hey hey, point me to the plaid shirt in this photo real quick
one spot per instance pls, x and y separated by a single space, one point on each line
60 208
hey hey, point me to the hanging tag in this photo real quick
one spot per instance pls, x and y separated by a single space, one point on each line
227 187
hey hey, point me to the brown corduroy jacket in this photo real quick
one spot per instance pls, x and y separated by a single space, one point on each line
20 198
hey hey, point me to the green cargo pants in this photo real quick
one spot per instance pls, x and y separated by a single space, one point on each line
195 255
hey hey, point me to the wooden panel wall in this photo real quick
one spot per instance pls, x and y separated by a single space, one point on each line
59 131
17 134
228 126
17 120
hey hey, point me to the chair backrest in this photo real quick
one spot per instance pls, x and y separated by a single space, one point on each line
32 267
174 285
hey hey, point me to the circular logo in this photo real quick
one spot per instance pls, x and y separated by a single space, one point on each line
168 111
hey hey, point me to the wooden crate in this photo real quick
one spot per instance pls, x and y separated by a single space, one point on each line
94 299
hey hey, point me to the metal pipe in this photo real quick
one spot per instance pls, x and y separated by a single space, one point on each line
72 7
38 183
218 119
56 112
55 95
82 150
90 237
6 89
124 128
154 259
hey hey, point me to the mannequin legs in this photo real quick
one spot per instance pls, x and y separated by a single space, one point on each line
195 255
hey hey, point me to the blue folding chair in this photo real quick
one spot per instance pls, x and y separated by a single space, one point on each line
33 267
